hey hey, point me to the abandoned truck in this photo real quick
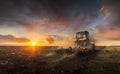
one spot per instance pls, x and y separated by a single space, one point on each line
83 41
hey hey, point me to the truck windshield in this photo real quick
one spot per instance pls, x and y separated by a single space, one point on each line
80 35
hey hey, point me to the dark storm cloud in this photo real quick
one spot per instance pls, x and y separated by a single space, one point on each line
62 12
111 27
11 38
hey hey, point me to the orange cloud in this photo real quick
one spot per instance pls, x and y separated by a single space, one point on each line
50 39
11 38
107 33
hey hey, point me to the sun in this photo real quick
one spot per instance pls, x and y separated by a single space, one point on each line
33 44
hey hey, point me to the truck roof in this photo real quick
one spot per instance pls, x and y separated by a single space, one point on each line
82 31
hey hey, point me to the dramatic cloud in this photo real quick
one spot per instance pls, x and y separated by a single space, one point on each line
11 38
38 15
55 21
110 28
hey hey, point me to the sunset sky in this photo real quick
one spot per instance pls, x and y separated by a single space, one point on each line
55 22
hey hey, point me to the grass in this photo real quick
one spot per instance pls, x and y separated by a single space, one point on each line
18 60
